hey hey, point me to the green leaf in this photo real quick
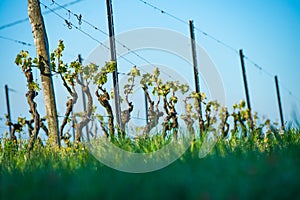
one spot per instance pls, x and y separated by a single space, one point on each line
76 66
188 107
62 68
93 68
100 78
174 99
35 61
184 88
130 79
135 72
99 117
112 94
61 45
110 66
52 57
156 72
242 104
22 120
18 60
53 66
34 86
86 70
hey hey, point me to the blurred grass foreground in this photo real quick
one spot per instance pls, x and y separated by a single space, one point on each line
239 168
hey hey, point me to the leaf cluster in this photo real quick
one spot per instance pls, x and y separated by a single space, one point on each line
24 61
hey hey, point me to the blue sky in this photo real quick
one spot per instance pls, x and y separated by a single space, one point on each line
267 31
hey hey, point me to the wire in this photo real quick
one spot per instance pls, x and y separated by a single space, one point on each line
271 76
81 19
16 41
26 19
259 67
206 34
163 12
290 92
186 23
138 118
70 25
216 40
14 23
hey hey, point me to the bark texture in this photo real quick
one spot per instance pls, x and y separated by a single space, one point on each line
42 50
86 118
30 95
70 104
104 101
153 113
171 121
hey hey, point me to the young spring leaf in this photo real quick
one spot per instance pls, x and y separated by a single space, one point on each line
34 86
110 66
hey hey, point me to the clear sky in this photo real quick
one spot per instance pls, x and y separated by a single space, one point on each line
267 31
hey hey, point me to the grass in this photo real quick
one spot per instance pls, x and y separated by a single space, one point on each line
235 169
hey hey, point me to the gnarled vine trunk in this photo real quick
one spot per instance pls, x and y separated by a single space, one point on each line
86 118
104 101
70 104
169 125
30 95
153 113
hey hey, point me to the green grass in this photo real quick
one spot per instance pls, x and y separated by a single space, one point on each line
238 169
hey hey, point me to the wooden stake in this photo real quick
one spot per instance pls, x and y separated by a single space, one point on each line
279 102
84 101
114 58
146 107
246 87
8 106
196 75
195 64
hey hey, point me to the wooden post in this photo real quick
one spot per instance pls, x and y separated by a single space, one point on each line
84 101
42 50
195 64
73 127
196 76
114 58
279 102
8 106
146 107
246 88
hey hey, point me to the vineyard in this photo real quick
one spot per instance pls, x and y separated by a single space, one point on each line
245 155
216 120
148 136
